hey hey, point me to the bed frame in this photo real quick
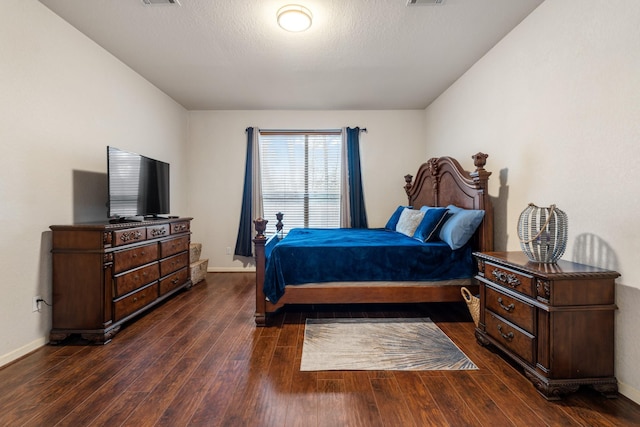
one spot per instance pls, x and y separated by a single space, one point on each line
438 182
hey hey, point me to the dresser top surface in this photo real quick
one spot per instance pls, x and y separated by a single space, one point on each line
519 260
106 225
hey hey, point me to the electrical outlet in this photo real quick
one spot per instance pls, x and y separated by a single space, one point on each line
228 250
35 303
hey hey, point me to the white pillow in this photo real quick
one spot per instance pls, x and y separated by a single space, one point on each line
409 220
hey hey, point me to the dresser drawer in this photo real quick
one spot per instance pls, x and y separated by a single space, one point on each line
130 235
135 279
515 280
176 262
180 227
155 231
510 336
174 246
515 311
131 258
173 281
135 301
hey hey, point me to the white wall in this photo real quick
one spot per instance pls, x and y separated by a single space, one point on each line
63 100
556 105
392 148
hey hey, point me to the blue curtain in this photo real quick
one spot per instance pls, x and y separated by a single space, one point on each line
244 241
356 197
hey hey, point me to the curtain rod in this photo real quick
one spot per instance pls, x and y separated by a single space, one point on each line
303 130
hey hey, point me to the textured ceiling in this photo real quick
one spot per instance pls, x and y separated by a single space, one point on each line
359 54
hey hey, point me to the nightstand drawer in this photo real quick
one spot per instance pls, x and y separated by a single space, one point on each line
511 279
516 311
510 336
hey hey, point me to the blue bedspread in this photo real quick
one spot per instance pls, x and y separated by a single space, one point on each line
310 255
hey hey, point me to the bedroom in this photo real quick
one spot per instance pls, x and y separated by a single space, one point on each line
554 104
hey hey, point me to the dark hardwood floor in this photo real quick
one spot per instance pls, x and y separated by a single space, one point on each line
199 360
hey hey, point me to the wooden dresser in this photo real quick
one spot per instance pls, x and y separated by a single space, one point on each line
105 274
555 320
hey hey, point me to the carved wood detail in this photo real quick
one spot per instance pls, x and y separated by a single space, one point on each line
131 235
543 288
261 226
158 232
552 391
180 227
482 340
108 259
508 279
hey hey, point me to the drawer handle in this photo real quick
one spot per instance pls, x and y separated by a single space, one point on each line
509 307
508 337
158 231
136 298
175 281
509 279
126 236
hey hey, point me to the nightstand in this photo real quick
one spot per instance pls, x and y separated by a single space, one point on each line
555 320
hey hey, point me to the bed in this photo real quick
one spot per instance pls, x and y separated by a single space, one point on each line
439 183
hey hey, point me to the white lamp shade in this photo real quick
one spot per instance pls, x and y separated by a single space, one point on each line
294 18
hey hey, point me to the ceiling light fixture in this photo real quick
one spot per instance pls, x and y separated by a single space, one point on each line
294 18
161 2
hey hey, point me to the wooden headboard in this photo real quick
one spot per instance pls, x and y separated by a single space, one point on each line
442 181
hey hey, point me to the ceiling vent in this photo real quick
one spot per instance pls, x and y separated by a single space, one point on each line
161 2
421 2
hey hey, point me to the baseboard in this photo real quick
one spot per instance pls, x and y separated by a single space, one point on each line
22 351
629 392
231 270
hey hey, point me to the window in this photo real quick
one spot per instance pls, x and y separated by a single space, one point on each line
300 174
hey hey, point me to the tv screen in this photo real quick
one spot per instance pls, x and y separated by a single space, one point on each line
138 185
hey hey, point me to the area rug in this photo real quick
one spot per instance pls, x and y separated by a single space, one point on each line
414 344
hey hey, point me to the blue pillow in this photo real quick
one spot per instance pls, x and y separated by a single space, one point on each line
393 221
459 228
433 218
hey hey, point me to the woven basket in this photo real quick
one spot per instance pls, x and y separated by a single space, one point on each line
473 303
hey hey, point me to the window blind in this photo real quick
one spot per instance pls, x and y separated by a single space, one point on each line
301 177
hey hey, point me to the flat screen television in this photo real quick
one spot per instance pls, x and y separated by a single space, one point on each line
138 185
